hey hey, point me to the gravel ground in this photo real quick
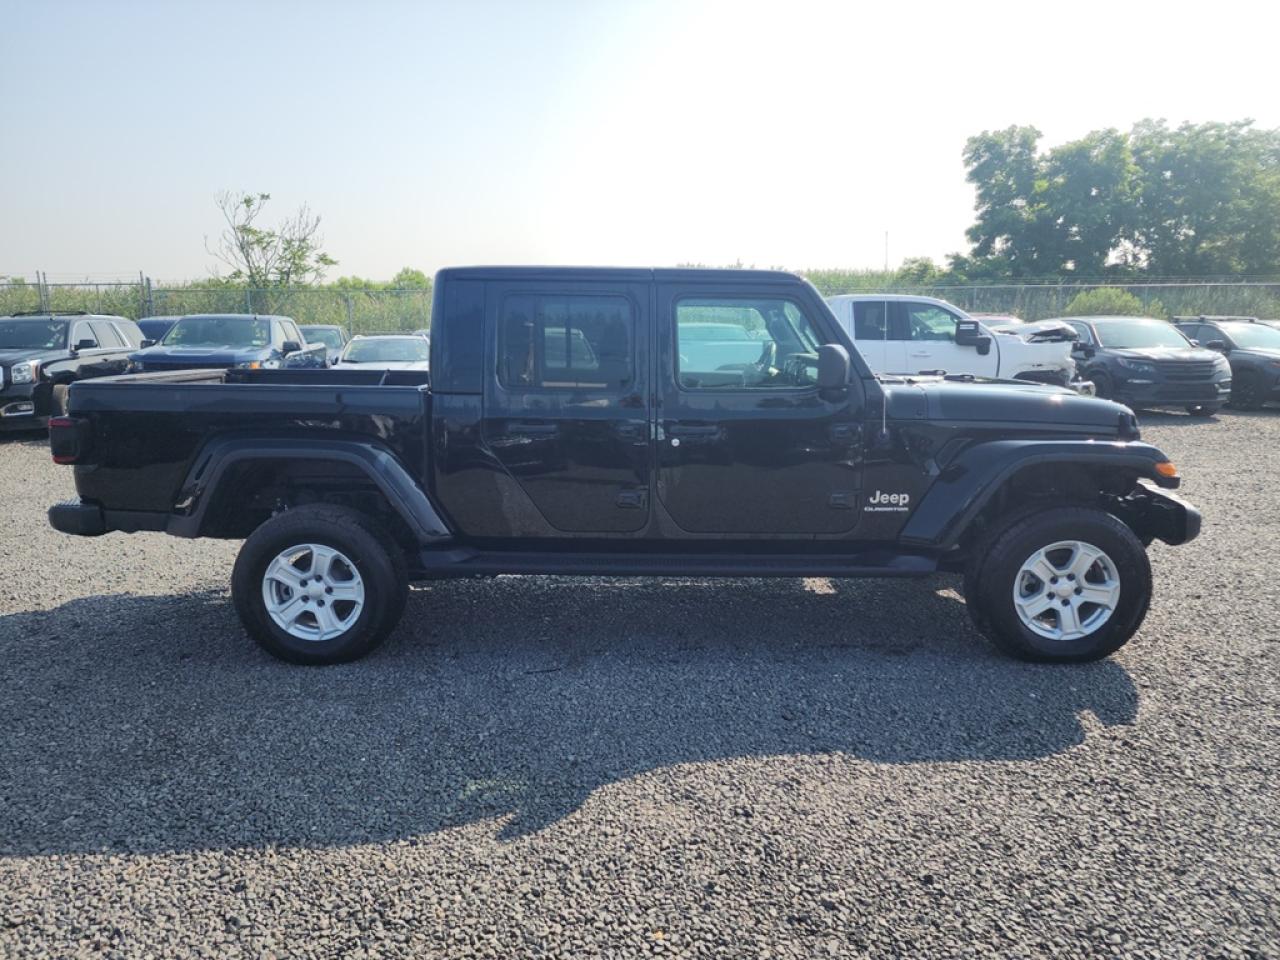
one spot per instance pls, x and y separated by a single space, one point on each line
549 767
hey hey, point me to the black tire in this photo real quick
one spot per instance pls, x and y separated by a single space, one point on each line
58 396
1247 393
1203 409
992 575
371 551
1102 386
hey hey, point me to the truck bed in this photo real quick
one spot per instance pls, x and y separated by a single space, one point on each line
153 425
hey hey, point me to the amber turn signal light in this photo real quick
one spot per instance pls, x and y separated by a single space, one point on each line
1166 469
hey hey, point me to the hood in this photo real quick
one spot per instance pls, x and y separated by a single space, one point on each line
1040 331
10 357
1162 353
213 356
1001 402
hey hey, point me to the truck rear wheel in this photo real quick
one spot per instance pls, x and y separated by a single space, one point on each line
1062 585
319 584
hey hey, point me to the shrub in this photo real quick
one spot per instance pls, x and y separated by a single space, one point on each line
1111 302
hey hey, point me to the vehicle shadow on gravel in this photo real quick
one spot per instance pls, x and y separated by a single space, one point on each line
150 724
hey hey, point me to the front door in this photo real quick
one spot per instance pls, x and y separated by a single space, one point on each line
745 442
929 334
568 412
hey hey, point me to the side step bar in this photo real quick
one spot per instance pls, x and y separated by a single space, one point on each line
437 563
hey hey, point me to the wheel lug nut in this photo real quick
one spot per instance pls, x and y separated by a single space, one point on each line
1053 579
1071 576
1066 603
1079 590
321 602
328 589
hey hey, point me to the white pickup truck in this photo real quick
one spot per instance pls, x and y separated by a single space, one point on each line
909 334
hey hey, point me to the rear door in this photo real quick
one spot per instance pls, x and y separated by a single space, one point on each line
873 337
568 413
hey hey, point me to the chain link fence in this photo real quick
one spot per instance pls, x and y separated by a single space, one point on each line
392 310
359 311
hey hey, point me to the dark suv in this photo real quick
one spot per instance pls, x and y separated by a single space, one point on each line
1250 346
1143 362
42 354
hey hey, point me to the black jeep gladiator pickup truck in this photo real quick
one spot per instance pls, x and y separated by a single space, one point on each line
629 422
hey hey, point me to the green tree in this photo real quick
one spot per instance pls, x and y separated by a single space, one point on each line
283 256
408 277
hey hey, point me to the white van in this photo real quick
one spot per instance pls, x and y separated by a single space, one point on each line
909 334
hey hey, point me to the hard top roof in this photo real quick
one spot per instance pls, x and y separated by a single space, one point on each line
625 274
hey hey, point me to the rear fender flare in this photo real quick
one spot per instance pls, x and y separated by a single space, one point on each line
969 482
208 469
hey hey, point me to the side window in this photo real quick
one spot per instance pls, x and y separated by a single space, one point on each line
732 343
291 332
870 320
928 322
558 342
106 333
129 331
1085 337
82 332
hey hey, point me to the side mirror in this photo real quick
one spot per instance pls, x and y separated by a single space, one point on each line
290 346
969 333
1219 345
148 343
86 345
833 367
1084 349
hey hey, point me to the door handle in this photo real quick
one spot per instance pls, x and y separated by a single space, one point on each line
922 353
534 429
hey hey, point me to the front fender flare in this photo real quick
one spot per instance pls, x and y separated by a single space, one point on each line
406 497
966 484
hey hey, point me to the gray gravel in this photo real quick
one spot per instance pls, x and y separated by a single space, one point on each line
551 767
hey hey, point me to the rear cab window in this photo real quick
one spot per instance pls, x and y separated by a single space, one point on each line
566 342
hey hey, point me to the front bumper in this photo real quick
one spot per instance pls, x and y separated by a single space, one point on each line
1164 393
21 408
1158 515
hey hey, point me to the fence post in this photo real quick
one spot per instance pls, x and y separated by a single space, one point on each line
150 304
248 300
351 328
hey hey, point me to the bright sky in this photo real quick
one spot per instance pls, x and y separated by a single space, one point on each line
428 134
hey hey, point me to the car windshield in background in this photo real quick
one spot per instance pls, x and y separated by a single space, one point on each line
1137 333
330 338
387 350
33 334
1253 336
219 332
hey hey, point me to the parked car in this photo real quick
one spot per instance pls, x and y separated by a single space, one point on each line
908 334
632 459
42 354
1147 363
387 352
332 336
1251 347
154 328
230 340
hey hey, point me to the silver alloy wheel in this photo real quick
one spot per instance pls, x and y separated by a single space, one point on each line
1067 590
313 592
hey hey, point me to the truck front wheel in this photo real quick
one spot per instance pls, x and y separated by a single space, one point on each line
1062 585
319 584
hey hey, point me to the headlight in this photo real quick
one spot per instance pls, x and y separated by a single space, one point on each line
249 365
1139 367
25 372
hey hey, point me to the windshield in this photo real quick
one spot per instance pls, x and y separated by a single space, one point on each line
219 332
327 335
387 350
1253 335
1127 333
33 334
